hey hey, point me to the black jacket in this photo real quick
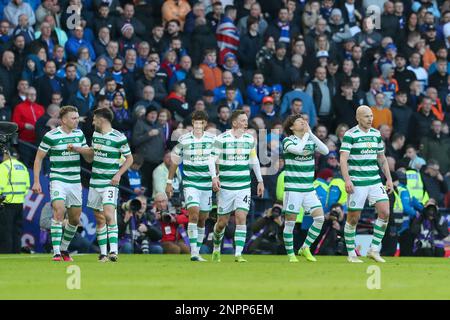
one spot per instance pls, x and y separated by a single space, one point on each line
195 88
404 78
419 126
68 89
248 48
44 90
201 38
41 127
435 188
151 148
8 82
278 72
345 110
401 116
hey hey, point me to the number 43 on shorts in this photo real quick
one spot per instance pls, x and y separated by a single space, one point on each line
247 200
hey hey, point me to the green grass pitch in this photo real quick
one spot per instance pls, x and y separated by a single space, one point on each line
263 277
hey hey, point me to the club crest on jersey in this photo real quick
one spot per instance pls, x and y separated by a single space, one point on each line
108 143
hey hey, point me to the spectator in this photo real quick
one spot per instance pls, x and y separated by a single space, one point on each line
176 103
438 79
15 9
375 88
24 29
420 72
161 174
223 119
255 14
76 41
381 114
212 73
296 108
32 69
403 75
429 228
320 91
122 118
5 111
281 29
7 74
49 121
128 17
268 233
138 231
277 69
268 113
47 84
395 148
227 81
149 79
231 98
433 181
148 140
436 146
368 38
84 100
175 10
170 220
227 34
331 236
346 106
25 115
401 113
389 85
411 158
308 104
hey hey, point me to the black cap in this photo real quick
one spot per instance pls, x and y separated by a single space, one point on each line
150 108
429 27
208 93
280 45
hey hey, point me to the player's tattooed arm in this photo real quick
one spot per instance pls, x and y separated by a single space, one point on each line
382 162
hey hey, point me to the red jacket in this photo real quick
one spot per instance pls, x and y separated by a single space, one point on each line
169 230
27 112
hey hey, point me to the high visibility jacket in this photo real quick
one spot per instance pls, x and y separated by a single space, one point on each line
321 187
337 193
414 185
14 181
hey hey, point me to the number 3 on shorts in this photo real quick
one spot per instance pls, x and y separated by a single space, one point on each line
110 194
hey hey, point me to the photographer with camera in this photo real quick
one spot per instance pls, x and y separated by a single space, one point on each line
331 238
268 233
138 229
170 219
429 228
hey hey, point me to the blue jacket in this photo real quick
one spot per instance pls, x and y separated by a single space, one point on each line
308 105
410 205
220 93
73 45
255 96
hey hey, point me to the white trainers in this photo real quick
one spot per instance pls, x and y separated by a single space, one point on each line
354 259
375 256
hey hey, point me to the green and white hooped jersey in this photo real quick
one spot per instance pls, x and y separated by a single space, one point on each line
196 154
64 164
299 169
234 158
108 149
363 148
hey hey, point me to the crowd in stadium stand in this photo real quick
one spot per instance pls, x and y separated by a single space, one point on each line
154 62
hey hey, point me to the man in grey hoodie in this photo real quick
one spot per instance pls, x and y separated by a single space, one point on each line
148 141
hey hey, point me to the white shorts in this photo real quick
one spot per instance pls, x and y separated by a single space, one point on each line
357 199
231 200
198 198
70 193
294 200
98 198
